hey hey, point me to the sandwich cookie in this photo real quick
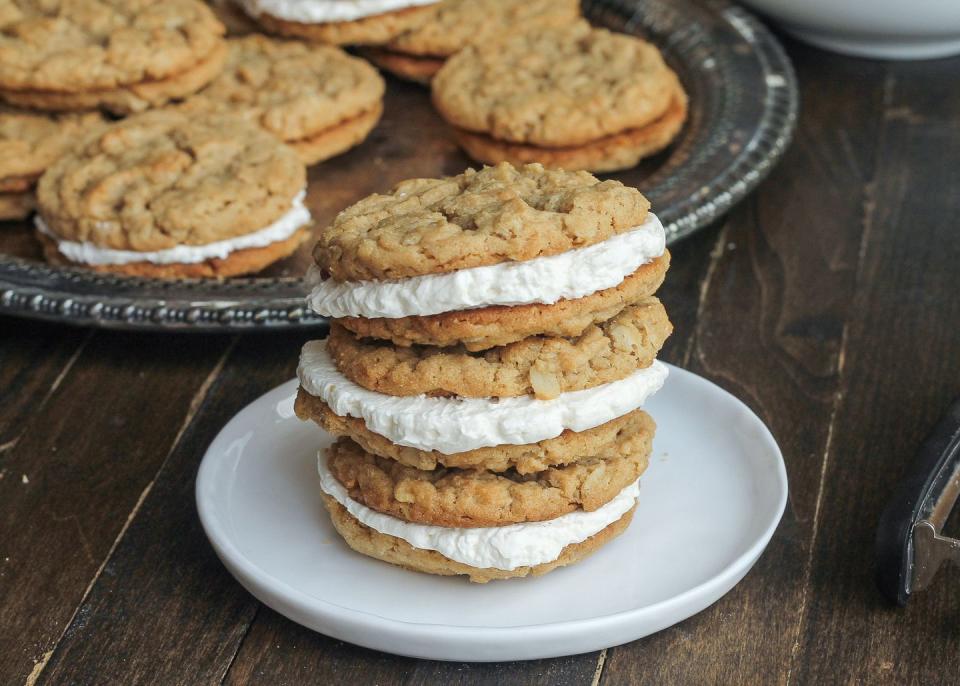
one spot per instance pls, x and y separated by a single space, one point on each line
418 53
571 97
165 195
340 22
29 143
121 55
315 98
488 258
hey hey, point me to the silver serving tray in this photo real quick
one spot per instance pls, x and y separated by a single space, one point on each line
743 108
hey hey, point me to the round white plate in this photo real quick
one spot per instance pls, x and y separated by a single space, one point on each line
709 502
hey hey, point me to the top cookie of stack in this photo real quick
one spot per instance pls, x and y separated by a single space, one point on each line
494 335
121 55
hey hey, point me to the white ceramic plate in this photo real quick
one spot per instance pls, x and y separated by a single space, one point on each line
709 503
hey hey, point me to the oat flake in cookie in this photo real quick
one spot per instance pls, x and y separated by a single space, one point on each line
572 97
121 55
316 98
340 22
165 195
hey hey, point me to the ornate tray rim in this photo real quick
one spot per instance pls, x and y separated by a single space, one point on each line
89 299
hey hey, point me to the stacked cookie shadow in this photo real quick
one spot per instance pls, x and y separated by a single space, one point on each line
493 337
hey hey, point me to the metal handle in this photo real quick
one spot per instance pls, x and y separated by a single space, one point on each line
910 547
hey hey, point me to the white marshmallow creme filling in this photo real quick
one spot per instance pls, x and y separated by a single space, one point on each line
88 253
320 11
499 547
572 274
454 425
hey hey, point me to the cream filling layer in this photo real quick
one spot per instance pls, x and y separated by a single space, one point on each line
320 11
454 425
500 547
572 274
88 253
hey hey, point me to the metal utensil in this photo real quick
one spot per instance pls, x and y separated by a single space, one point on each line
910 545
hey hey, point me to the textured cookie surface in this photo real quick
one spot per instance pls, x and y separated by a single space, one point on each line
543 366
618 151
372 30
497 214
82 45
292 89
556 87
396 551
459 22
476 497
162 179
487 327
615 439
31 141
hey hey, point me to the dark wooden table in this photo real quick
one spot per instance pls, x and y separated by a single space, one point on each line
829 301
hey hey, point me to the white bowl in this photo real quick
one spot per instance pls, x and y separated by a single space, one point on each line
887 29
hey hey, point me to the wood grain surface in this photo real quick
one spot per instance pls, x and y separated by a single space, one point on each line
827 301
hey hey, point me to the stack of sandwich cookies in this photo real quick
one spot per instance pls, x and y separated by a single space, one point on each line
316 98
419 52
162 195
339 22
122 56
501 439
29 143
571 97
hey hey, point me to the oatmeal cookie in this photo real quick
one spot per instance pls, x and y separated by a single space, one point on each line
487 327
316 98
396 551
616 439
497 214
418 53
122 54
31 141
544 366
16 205
476 497
162 179
558 87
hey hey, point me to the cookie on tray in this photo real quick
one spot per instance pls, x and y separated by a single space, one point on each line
340 22
572 97
122 55
418 53
29 143
165 195
316 98
488 258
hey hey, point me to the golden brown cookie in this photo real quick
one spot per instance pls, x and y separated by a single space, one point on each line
373 29
396 551
476 497
615 439
31 141
544 366
486 327
610 153
162 180
316 98
125 55
561 88
497 214
418 53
